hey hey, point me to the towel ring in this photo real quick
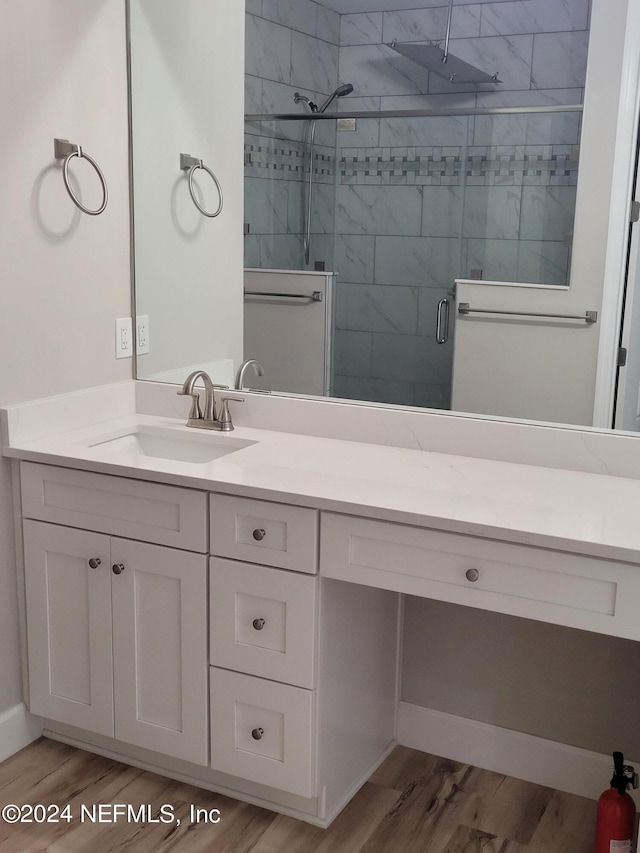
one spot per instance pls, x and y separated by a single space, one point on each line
63 149
193 164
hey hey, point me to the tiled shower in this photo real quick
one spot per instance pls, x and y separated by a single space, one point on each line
403 206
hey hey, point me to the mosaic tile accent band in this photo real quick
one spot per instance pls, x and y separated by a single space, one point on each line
500 165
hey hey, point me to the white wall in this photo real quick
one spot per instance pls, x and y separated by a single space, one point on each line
65 276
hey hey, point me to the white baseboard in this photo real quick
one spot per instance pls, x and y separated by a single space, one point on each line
18 728
534 759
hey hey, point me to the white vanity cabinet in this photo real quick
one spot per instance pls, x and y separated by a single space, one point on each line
303 675
117 628
263 633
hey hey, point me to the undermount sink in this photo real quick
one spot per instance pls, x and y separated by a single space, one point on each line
155 443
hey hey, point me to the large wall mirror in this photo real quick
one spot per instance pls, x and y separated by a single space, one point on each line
416 232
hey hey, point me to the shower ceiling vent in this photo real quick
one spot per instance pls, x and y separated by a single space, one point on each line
441 62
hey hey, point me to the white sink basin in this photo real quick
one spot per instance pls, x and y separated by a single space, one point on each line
152 442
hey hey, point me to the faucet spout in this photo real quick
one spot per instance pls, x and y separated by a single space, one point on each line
251 362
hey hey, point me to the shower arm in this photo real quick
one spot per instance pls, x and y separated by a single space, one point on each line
448 34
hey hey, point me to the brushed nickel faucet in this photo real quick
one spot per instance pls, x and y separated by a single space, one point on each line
251 362
207 419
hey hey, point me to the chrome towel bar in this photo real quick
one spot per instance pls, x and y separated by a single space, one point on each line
587 317
65 150
192 164
316 296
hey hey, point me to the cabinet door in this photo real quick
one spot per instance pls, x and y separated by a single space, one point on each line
160 648
69 626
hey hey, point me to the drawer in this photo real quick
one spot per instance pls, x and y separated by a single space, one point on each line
262 731
536 583
150 512
262 621
262 532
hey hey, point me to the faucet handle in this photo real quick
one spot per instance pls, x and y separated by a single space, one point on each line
226 424
195 414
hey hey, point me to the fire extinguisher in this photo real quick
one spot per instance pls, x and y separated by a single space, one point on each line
617 810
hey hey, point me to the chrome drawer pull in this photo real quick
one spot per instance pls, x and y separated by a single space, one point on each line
258 624
94 562
259 534
117 568
472 575
256 734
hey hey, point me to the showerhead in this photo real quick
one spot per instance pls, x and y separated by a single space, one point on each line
340 92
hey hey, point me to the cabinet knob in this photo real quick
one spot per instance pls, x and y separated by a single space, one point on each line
117 568
256 734
258 624
472 575
259 534
94 562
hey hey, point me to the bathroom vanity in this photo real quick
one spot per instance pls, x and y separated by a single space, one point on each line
226 609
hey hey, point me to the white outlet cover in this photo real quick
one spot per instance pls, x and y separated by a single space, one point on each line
124 341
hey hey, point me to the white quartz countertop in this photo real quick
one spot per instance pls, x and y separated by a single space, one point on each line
567 510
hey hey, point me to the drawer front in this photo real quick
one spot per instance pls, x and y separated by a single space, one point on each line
551 586
262 621
261 731
267 533
151 512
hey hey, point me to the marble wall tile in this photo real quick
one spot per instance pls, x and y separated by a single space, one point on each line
295 204
543 262
455 100
432 396
417 261
436 130
315 63
510 56
366 134
267 50
252 250
328 25
534 16
252 94
376 308
428 311
442 211
253 6
322 208
378 210
547 213
498 259
492 212
377 70
266 205
321 249
301 15
559 60
363 28
531 98
352 353
535 129
412 358
354 258
281 251
415 25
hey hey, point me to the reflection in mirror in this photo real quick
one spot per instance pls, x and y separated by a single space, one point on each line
188 272
470 199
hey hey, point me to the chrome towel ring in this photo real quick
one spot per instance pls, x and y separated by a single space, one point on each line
65 150
193 164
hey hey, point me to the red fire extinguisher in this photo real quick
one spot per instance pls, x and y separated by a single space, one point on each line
617 810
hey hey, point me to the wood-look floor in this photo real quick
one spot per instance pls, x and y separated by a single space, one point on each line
413 803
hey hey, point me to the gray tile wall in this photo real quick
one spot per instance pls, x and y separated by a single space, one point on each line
422 202
418 202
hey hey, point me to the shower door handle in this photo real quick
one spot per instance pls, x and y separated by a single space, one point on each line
442 322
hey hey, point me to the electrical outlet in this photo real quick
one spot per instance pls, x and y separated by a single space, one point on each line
142 334
123 338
